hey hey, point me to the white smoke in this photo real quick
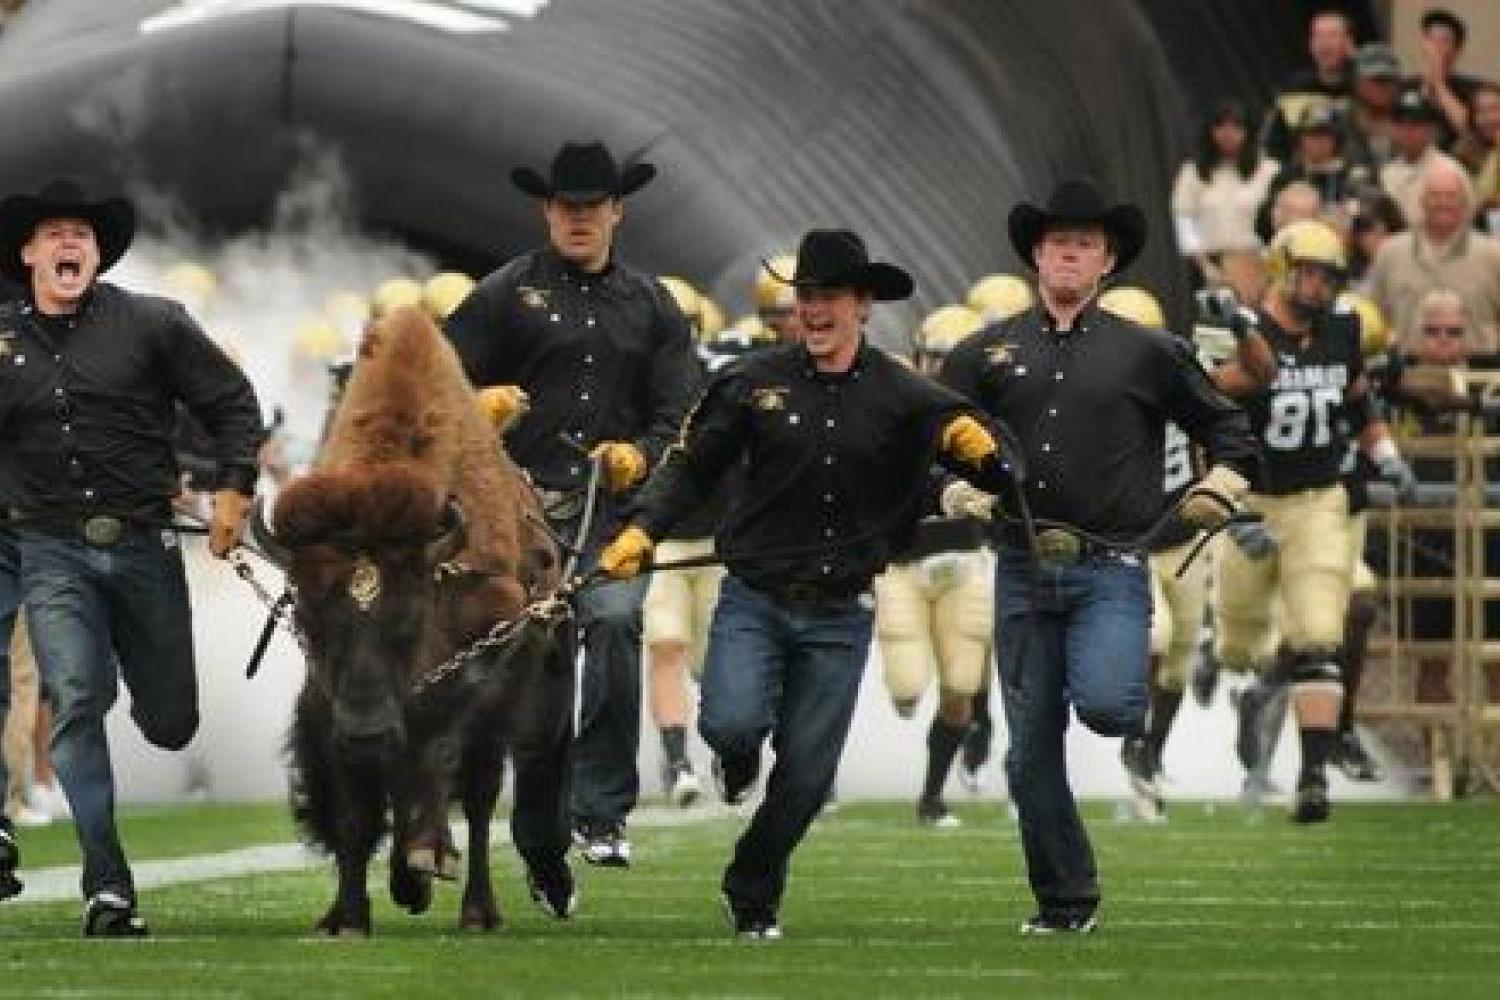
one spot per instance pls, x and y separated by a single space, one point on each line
285 299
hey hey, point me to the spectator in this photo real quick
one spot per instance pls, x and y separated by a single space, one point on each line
1330 43
1378 219
1413 147
1442 329
1441 252
1318 160
1443 36
1217 192
1377 80
1481 154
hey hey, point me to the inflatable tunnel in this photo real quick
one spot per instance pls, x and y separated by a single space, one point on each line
919 124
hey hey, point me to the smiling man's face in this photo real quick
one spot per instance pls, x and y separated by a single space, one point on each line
64 258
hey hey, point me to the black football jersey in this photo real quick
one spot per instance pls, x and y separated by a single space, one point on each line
1302 420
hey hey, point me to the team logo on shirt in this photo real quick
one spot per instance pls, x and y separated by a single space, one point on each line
1001 355
770 397
533 297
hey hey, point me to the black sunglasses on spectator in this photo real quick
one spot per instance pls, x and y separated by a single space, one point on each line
1443 331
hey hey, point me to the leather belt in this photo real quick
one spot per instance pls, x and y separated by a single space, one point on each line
807 594
1060 547
100 530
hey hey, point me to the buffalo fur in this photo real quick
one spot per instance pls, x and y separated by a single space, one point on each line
407 436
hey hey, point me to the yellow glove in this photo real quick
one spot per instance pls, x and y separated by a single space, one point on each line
622 558
503 405
966 440
228 522
623 463
1211 500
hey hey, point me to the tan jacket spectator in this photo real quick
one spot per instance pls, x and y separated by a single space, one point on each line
1441 252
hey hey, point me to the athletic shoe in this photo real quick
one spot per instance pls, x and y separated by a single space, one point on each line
751 922
934 813
682 786
49 798
109 914
1060 923
26 815
734 777
553 890
10 860
603 843
974 754
1257 788
1312 799
1350 756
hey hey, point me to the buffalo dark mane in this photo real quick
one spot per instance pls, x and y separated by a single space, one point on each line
360 508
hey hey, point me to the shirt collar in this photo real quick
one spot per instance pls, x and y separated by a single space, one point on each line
856 368
1086 320
559 268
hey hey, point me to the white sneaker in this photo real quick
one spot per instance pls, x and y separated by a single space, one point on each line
28 815
685 788
49 798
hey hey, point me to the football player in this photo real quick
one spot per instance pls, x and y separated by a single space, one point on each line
1318 403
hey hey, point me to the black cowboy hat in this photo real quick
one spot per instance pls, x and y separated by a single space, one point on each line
837 258
584 171
1078 203
113 221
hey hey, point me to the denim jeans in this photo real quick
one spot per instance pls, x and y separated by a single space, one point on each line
605 780
10 599
90 609
1075 635
792 672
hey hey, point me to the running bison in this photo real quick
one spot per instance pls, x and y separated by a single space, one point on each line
412 537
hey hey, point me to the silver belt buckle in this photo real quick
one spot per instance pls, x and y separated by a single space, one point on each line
103 530
1057 547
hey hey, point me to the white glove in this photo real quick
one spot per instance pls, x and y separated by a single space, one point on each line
959 499
1211 500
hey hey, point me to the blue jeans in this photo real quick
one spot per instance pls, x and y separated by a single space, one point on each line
96 615
10 599
605 781
793 672
1076 635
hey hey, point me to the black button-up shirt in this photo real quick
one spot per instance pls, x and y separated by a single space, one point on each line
828 460
1090 408
604 357
88 406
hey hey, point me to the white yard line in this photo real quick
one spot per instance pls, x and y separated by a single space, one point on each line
49 885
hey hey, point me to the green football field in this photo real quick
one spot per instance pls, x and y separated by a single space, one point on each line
1386 901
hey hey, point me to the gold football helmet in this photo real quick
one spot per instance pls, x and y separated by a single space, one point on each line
444 292
772 295
1135 304
999 296
393 293
945 326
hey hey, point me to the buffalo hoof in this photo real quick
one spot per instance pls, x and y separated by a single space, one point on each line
338 924
479 916
411 890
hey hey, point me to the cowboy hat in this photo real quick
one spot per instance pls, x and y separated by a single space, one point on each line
584 172
112 219
1078 203
837 258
